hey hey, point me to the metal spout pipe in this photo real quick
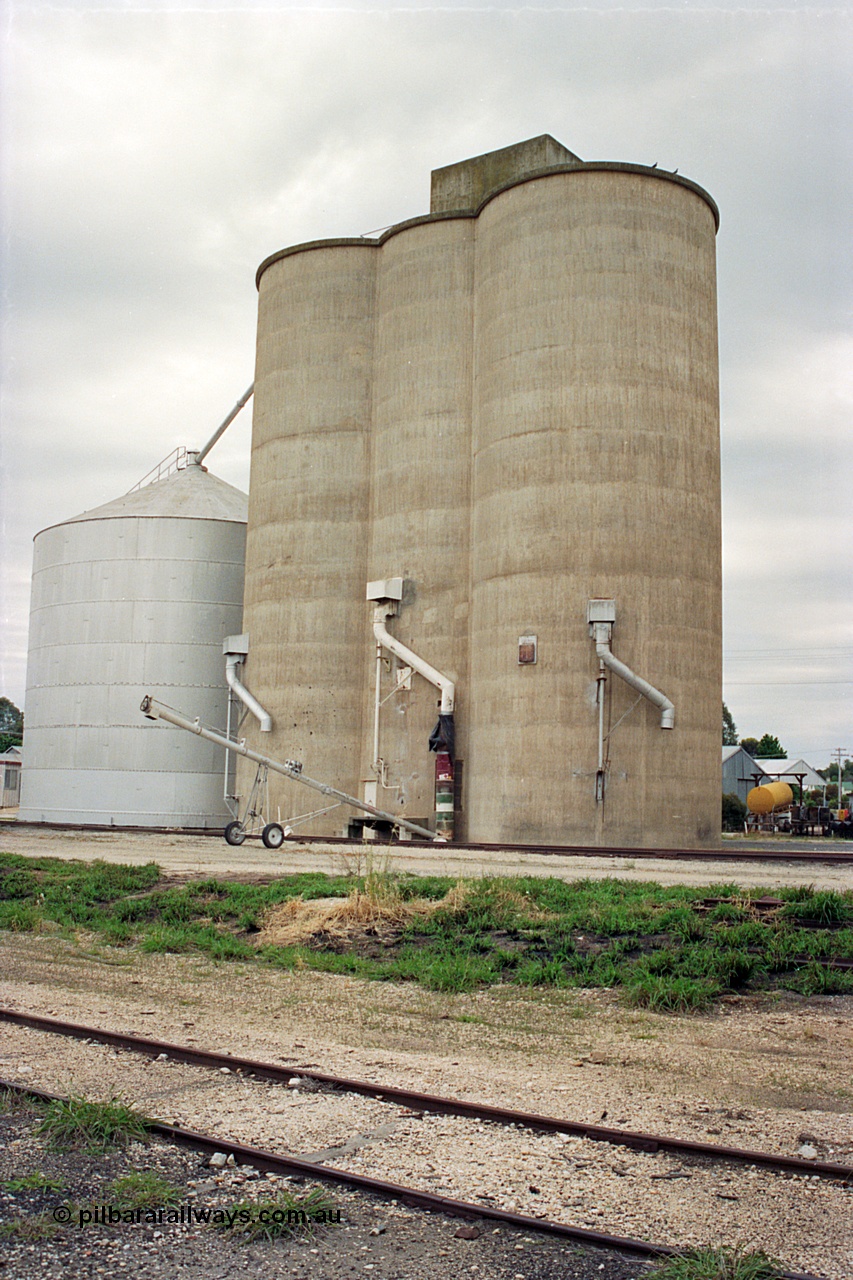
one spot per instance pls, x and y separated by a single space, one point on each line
199 458
232 662
602 649
387 641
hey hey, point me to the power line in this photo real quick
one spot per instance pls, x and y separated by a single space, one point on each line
806 649
761 684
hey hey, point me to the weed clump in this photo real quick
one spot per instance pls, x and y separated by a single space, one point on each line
286 1215
718 1264
145 1190
75 1121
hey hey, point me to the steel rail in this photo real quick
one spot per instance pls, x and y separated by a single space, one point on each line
272 1162
840 858
433 1103
590 851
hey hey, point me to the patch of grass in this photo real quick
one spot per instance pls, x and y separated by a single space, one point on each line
145 1190
717 1264
34 1182
656 943
20 917
664 993
287 1215
31 1229
825 906
816 979
75 1121
458 973
13 1103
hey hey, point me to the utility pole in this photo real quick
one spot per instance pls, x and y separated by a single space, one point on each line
839 754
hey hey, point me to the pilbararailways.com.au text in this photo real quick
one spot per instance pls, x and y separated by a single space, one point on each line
190 1215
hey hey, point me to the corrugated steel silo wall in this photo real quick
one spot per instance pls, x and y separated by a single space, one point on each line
121 606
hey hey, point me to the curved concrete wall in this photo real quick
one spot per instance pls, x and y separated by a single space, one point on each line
595 474
306 553
516 411
420 486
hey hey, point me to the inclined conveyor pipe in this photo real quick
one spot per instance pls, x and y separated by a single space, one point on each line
292 769
199 457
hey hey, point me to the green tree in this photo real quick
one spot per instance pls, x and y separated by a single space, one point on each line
768 747
734 813
729 728
11 725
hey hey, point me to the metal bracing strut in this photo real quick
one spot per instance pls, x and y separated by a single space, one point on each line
292 769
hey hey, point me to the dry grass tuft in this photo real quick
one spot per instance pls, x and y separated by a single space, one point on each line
297 922
377 908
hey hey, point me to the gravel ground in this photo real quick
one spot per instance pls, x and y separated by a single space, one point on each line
210 855
768 1076
657 1197
766 1072
375 1239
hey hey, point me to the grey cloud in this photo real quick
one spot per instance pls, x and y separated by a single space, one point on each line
152 159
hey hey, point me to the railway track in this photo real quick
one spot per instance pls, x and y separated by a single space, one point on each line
427 1102
835 857
270 1161
840 857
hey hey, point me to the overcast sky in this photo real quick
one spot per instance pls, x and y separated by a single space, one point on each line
154 153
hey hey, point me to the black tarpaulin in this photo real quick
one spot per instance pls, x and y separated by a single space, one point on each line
442 736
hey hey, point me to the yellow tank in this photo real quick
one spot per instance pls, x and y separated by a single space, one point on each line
772 796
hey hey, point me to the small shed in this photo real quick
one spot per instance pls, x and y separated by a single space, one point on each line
740 772
10 764
795 773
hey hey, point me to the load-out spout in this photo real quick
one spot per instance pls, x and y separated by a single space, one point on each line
232 662
387 641
602 648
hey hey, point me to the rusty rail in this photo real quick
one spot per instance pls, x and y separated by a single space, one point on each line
429 1102
270 1161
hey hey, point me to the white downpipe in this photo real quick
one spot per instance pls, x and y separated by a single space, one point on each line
376 705
602 649
600 772
232 662
387 641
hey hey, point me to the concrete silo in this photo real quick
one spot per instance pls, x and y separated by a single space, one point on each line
511 405
140 592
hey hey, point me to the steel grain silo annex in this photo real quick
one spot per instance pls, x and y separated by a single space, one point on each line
525 418
135 594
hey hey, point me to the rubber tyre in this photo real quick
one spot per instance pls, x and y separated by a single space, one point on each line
273 835
235 833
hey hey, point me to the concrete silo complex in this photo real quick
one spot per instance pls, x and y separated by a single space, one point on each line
140 591
503 415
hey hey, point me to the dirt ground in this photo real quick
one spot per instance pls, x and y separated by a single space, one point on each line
189 855
766 1072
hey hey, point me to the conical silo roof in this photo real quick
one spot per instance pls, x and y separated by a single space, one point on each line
191 494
